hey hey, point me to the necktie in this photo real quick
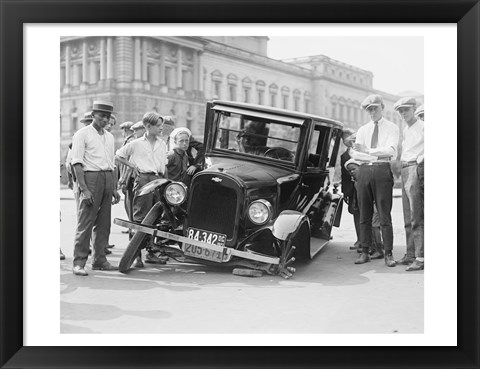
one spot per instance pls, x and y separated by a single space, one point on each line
375 136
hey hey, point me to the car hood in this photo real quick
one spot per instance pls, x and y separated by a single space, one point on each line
251 174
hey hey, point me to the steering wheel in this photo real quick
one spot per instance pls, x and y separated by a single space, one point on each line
279 153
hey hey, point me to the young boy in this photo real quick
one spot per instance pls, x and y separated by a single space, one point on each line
177 158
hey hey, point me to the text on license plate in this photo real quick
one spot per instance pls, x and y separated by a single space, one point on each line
207 237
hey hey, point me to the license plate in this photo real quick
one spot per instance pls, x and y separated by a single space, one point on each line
202 252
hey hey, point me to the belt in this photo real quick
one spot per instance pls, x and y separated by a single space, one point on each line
379 163
97 171
408 163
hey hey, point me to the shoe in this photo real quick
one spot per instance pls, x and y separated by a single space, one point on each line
389 260
377 255
363 258
62 255
153 259
107 251
105 266
112 246
406 260
416 265
78 270
138 264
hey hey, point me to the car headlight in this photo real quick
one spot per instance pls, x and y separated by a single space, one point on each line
260 211
176 193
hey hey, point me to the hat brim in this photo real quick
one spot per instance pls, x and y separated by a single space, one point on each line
404 106
369 105
83 120
102 110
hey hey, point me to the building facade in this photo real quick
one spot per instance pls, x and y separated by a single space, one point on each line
177 75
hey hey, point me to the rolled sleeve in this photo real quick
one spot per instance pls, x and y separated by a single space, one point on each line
78 148
125 151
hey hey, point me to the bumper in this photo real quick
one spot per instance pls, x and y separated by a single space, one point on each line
227 252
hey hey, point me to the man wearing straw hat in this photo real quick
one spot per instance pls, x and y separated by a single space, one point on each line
93 161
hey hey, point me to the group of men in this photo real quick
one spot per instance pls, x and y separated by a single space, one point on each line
367 182
154 149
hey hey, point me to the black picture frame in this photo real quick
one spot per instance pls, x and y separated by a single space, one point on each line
465 13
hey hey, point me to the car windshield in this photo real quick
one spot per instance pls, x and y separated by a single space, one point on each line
257 136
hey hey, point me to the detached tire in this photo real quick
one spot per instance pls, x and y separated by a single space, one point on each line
137 240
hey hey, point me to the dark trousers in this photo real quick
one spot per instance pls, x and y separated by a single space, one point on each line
143 204
412 200
375 184
93 221
128 203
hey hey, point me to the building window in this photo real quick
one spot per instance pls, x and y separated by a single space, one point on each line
296 100
260 97
246 95
273 100
246 86
306 97
232 92
216 90
285 95
232 81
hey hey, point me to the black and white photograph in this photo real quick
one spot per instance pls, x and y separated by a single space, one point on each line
241 184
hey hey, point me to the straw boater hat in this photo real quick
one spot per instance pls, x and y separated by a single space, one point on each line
352 161
103 106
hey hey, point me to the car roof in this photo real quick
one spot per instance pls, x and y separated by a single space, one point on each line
277 111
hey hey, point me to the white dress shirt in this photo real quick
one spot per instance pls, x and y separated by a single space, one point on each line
413 142
388 136
146 157
93 150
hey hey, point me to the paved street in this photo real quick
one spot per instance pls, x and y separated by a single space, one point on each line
326 295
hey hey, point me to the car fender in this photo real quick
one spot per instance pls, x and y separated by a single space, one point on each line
152 186
288 223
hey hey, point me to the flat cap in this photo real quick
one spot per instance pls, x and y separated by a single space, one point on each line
138 125
87 118
126 125
419 111
405 102
168 120
372 100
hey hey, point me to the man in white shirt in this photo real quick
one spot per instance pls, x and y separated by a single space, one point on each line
146 156
93 163
412 183
375 145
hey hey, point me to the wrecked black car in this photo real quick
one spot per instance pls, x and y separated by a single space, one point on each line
264 198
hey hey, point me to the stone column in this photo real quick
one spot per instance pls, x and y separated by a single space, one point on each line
102 59
200 73
195 70
144 61
179 68
84 63
137 61
163 51
67 66
109 58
